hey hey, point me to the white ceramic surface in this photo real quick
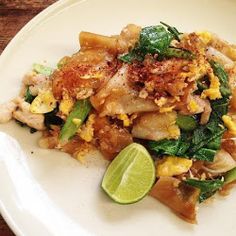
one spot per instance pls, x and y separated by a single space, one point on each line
47 193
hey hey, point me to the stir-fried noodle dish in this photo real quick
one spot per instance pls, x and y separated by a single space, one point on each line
165 95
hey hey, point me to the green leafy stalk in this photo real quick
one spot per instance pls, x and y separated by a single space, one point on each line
207 187
28 96
204 135
178 53
230 176
75 119
223 78
205 154
220 106
133 55
186 123
43 70
172 30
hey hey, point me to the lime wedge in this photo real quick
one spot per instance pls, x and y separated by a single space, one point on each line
130 175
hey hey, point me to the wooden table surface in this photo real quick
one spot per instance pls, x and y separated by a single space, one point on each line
14 14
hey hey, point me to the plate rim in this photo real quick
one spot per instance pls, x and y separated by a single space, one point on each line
16 40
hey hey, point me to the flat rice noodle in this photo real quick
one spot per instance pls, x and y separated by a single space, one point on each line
156 126
110 138
116 97
179 197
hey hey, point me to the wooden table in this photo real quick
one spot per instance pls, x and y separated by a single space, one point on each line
14 14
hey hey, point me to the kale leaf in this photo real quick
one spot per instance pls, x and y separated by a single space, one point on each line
173 147
199 143
220 106
204 154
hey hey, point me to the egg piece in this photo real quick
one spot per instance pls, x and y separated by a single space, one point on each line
87 131
43 103
205 36
229 123
126 121
171 166
66 105
214 90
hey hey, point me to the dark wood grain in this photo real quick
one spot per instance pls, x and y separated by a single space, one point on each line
14 14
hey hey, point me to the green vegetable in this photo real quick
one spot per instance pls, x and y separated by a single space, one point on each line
171 147
186 123
205 154
75 119
220 106
214 143
172 30
156 40
28 96
202 84
133 55
230 176
165 146
223 78
202 136
196 142
207 187
41 69
178 53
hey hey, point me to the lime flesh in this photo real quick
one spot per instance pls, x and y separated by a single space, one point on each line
130 176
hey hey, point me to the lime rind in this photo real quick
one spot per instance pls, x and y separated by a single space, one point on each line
130 176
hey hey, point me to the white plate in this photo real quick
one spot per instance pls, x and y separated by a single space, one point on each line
45 192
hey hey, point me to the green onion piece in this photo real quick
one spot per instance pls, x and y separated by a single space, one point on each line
75 119
186 123
41 69
230 176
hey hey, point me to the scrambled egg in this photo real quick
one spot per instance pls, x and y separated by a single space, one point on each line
205 36
161 101
126 121
229 123
171 165
193 106
66 104
43 103
87 130
166 109
214 90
